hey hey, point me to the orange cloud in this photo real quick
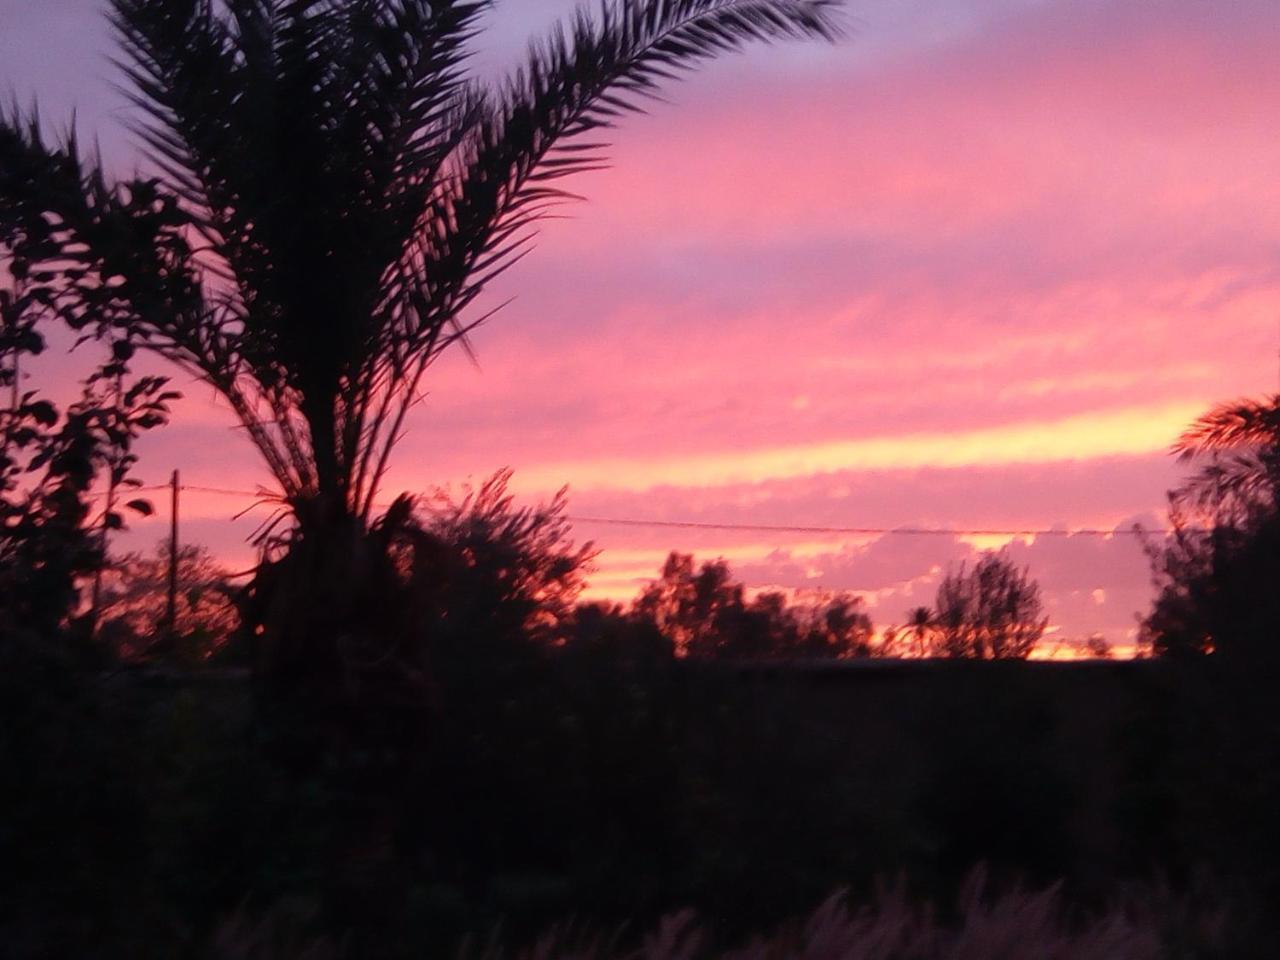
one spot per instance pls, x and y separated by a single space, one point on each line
1107 433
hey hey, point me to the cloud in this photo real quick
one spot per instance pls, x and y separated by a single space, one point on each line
1090 436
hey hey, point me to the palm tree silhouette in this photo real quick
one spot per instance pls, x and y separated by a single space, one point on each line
920 624
1238 445
331 194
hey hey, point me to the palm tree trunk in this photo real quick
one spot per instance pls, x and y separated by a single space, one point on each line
318 409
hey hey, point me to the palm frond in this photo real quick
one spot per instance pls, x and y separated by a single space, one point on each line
327 194
1238 425
1239 479
577 81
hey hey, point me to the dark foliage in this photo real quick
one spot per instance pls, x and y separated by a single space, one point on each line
50 535
615 788
436 586
1216 593
133 607
996 792
915 638
992 612
1215 574
706 615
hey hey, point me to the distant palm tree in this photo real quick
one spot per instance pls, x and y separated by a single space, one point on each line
920 624
1239 446
331 194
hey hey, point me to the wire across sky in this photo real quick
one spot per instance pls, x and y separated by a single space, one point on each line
1134 531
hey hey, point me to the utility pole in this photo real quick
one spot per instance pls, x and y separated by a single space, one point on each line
172 611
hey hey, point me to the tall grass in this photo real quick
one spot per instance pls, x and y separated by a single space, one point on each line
1018 924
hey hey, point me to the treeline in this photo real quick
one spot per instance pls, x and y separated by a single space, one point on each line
698 611
689 610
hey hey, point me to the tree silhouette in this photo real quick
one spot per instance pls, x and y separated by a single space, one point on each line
689 605
1098 647
512 575
915 638
706 615
135 598
992 612
618 636
332 195
1215 573
1238 446
920 625
51 531
832 626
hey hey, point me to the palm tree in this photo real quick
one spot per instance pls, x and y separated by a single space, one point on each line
920 624
1239 446
331 194
1216 570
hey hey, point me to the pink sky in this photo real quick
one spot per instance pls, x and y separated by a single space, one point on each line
973 267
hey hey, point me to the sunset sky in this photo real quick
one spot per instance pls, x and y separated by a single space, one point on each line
973 267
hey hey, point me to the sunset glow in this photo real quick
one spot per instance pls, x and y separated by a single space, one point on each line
975 267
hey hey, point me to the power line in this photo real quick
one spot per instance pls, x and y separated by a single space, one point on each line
148 489
784 528
223 491
867 531
152 488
